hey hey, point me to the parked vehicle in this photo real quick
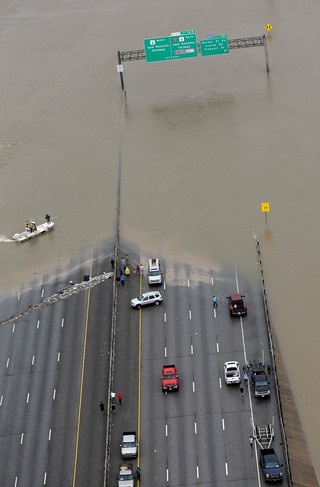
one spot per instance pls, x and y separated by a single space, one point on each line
129 445
151 297
232 373
236 304
270 465
125 476
154 272
259 380
170 378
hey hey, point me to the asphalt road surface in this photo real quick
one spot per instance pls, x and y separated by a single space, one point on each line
54 368
200 434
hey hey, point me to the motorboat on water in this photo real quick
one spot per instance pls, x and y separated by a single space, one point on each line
33 230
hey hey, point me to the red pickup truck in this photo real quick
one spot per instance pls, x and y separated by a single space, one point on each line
169 376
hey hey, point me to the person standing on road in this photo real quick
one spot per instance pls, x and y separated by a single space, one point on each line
120 398
241 389
214 300
112 263
251 442
127 271
123 261
102 409
138 473
122 279
121 271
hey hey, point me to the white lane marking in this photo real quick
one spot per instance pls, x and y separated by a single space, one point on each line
49 437
195 428
166 430
54 394
223 424
191 348
42 292
62 322
58 357
45 478
193 387
21 439
32 362
190 314
227 469
28 397
16 482
211 281
164 284
165 317
167 475
214 312
18 295
165 352
217 347
13 327
8 360
38 324
1 399
198 473
188 283
220 382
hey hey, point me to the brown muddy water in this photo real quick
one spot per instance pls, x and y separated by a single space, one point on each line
203 142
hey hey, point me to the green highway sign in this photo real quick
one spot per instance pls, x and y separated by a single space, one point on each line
157 49
177 46
217 45
184 44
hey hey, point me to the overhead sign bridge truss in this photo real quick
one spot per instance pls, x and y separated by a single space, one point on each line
139 54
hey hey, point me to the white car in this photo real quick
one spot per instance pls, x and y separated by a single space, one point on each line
232 372
151 297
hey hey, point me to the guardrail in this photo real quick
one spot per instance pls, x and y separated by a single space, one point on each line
273 364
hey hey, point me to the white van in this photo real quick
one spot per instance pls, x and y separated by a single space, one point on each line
154 272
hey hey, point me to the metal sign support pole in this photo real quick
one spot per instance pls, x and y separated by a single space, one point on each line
121 72
266 52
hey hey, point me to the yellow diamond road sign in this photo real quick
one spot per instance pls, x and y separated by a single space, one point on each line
265 207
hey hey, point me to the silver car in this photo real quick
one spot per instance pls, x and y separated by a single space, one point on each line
151 297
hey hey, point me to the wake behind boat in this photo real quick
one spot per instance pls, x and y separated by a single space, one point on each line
33 230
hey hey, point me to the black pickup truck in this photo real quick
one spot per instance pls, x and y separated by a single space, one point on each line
260 381
270 465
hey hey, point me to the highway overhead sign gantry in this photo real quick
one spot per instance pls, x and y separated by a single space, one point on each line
177 46
216 45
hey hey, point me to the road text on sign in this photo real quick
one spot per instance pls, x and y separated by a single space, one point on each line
157 49
265 207
217 45
184 44
177 46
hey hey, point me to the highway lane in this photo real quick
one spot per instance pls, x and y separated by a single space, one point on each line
199 435
40 377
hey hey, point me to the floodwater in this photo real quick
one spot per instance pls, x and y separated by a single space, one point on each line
203 142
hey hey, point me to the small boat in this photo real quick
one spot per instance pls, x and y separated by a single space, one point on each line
32 230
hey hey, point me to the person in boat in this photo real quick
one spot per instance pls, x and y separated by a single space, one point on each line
30 226
47 217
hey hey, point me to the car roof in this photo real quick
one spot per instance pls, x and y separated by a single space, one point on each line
235 296
231 364
153 293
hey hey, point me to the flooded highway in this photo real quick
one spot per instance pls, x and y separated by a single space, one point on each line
202 142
